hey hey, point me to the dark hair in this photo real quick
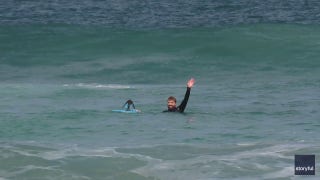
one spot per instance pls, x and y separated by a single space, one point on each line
172 98
129 101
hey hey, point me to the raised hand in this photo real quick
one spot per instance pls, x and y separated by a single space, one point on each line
190 83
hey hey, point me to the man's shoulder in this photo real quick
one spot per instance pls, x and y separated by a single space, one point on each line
175 110
172 110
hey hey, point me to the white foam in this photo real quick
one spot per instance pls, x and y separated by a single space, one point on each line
246 144
174 169
24 169
203 167
75 151
282 173
275 151
31 167
99 86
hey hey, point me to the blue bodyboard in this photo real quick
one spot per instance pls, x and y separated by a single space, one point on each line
126 111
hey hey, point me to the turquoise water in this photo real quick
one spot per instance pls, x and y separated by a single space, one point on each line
254 106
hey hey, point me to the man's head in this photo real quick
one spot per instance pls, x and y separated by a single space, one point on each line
130 101
171 102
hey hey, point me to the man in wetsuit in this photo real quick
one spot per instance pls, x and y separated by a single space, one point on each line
171 102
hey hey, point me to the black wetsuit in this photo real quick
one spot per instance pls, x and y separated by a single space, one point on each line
183 104
128 104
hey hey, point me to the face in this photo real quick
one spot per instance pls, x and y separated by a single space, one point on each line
171 104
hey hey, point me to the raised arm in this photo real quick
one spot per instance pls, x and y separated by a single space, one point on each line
184 103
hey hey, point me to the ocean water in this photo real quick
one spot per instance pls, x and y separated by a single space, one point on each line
64 65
